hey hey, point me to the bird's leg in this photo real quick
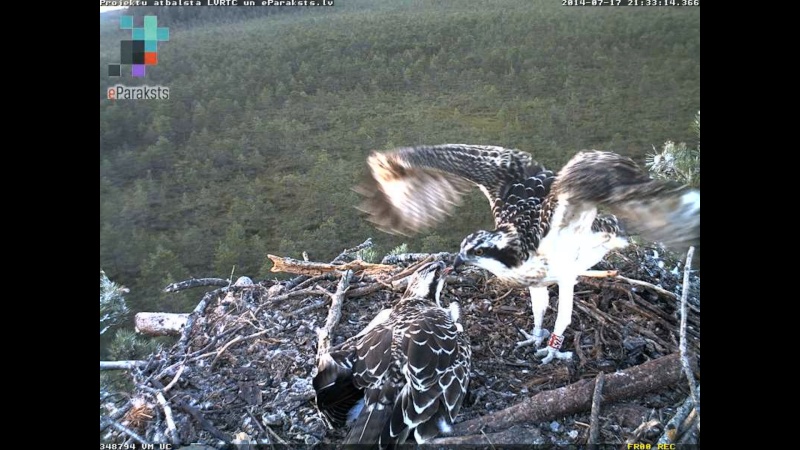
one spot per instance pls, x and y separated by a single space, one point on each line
566 290
539 301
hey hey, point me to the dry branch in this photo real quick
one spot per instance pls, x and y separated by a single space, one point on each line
160 324
196 282
121 365
199 310
661 291
291 265
416 257
334 314
687 369
366 244
677 421
594 424
626 384
172 431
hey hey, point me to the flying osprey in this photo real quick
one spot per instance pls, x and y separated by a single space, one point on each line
547 228
405 374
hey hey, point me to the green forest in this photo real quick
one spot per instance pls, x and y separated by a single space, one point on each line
272 112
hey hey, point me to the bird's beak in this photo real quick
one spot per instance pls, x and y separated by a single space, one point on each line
458 262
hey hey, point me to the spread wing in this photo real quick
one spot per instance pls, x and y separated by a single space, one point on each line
659 210
411 189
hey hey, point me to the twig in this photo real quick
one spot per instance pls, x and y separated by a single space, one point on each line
121 365
312 280
334 314
208 426
284 297
172 431
661 291
640 431
594 423
687 369
199 310
409 257
235 341
230 280
175 379
275 435
366 244
196 282
122 429
675 422
305 309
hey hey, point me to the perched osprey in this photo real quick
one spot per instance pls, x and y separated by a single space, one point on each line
405 374
547 228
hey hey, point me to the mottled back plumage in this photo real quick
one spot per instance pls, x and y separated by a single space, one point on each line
410 370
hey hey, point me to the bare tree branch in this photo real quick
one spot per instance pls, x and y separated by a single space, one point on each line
196 282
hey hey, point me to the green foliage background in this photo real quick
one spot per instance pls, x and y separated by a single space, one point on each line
272 113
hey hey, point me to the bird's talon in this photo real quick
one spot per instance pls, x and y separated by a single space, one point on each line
536 338
548 353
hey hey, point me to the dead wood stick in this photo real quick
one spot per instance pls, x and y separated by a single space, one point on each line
175 379
622 385
305 309
661 291
275 435
312 280
196 282
640 431
291 265
123 429
334 314
160 324
172 430
589 308
208 426
675 422
236 340
121 365
199 310
366 244
415 257
293 294
687 369
594 423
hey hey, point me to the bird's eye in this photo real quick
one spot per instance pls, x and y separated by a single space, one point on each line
478 251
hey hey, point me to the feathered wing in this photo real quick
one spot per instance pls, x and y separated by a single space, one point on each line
437 373
333 384
373 375
410 189
414 372
659 210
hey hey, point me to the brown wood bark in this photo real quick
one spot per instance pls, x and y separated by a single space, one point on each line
630 383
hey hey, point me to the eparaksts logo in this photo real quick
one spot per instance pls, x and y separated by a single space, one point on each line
120 92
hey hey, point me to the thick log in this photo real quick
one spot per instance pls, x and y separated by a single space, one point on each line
627 384
160 324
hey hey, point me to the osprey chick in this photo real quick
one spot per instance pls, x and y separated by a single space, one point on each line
405 374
